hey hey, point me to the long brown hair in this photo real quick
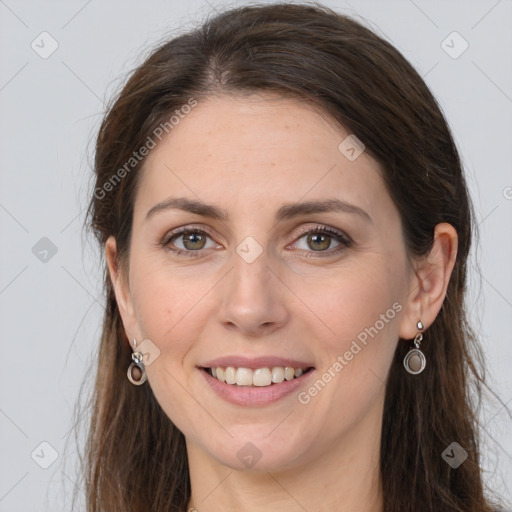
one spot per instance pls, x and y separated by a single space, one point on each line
135 458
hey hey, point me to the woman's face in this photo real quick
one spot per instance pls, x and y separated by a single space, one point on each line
253 291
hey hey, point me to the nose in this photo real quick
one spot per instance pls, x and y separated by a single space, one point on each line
254 298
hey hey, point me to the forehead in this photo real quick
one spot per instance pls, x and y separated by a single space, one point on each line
254 150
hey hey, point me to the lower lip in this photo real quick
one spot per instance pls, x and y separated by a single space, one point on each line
253 396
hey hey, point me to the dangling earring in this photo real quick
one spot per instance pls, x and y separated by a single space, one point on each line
415 361
137 365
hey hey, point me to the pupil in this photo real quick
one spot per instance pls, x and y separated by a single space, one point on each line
193 238
318 237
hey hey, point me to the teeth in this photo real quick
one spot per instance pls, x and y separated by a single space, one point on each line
230 375
289 373
260 377
244 377
277 374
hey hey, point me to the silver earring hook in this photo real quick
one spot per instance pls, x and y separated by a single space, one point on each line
137 360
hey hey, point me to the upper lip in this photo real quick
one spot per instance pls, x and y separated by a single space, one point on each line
254 362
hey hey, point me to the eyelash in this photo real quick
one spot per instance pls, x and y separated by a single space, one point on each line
344 241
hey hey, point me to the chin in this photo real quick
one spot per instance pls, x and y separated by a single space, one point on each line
254 449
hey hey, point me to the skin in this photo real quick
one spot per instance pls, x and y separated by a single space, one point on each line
249 156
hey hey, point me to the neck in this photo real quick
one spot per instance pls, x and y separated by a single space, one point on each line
345 478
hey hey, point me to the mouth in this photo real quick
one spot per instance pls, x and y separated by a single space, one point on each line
256 377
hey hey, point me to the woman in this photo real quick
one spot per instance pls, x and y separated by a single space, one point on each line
286 228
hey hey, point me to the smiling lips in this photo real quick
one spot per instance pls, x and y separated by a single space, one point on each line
256 381
259 377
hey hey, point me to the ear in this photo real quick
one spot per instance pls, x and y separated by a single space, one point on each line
429 281
119 278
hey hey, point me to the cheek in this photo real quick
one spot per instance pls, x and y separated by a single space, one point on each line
163 302
172 307
362 308
169 308
361 304
360 297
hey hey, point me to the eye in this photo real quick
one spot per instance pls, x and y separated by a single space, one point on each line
193 240
320 238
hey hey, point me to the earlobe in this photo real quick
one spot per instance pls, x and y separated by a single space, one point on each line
429 282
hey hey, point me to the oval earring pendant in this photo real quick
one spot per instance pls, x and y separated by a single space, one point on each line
415 361
141 374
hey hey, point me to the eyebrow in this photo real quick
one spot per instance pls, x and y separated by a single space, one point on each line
285 212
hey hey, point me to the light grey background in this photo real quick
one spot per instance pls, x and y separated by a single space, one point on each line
51 311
